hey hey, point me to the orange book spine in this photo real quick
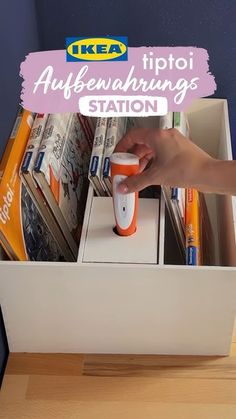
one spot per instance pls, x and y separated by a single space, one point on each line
192 217
10 187
10 142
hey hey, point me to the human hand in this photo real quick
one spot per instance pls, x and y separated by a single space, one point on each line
170 159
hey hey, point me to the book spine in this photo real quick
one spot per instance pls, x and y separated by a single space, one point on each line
192 227
180 123
51 150
174 193
10 141
97 155
87 128
35 139
10 189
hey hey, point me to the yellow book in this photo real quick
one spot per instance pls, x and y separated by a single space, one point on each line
193 230
11 234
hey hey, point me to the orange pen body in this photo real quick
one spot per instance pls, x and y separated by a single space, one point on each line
125 205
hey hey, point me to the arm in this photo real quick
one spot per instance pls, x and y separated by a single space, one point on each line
171 159
219 176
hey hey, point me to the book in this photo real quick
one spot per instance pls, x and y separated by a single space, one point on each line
33 143
23 233
207 242
11 231
3 255
175 213
180 122
95 167
40 244
178 198
61 172
200 245
115 130
193 249
49 224
88 128
26 124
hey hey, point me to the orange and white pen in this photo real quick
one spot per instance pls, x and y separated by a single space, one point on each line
125 205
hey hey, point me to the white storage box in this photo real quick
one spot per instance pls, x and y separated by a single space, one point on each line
144 308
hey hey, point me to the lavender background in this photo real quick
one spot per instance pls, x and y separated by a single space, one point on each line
54 102
31 25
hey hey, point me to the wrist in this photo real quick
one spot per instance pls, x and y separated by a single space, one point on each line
208 176
218 176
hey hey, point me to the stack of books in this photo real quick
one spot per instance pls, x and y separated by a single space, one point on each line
43 186
44 177
188 210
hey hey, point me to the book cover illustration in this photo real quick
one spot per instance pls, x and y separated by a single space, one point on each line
61 171
74 179
57 239
39 242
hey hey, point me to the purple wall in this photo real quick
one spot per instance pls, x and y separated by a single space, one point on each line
18 36
210 24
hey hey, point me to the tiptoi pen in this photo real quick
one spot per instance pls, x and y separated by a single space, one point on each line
125 205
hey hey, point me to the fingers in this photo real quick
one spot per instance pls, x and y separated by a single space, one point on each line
133 137
135 183
140 150
143 162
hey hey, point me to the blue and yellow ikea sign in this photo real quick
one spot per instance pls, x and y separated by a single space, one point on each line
97 49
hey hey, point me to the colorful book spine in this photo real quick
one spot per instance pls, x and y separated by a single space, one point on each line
34 142
11 230
95 167
10 142
193 229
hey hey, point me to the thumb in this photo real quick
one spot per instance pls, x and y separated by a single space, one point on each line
134 183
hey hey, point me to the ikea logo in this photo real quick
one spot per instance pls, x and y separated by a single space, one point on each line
97 49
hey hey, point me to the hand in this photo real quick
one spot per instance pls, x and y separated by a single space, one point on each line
170 159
